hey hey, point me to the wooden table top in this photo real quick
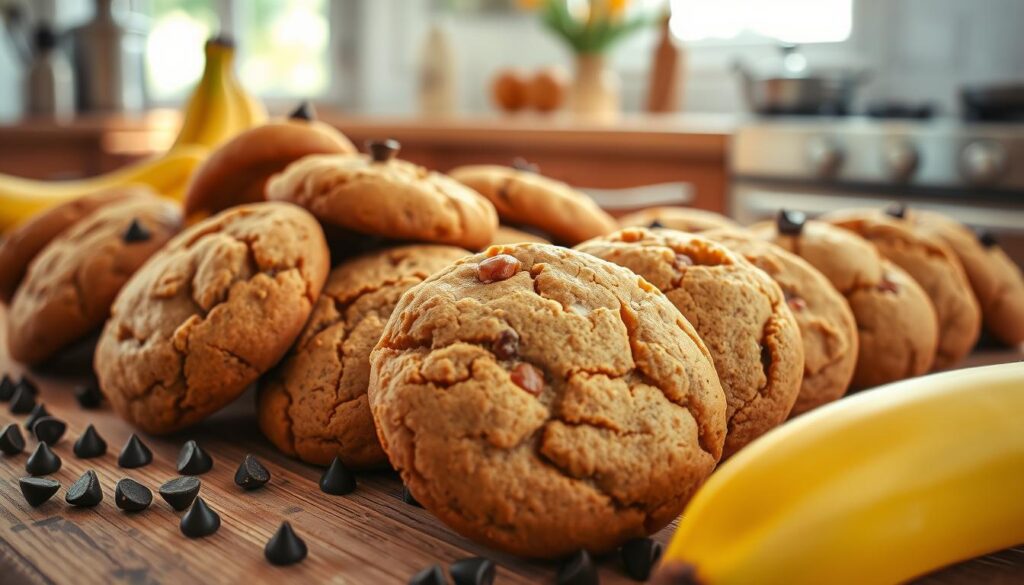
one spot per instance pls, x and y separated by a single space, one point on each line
370 536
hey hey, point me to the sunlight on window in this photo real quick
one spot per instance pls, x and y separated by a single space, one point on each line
794 21
285 47
174 52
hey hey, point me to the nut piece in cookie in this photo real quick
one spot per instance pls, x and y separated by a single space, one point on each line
524 197
387 197
24 242
567 406
209 313
684 219
314 406
934 266
72 282
827 326
739 312
238 171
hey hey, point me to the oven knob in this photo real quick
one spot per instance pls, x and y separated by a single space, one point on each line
982 162
824 156
901 159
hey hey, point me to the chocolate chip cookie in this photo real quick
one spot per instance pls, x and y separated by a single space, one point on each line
21 245
527 198
684 219
72 282
827 327
209 313
896 323
384 196
582 405
739 312
314 405
509 235
934 266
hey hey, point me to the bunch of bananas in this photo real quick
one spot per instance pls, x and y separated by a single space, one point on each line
218 109
879 487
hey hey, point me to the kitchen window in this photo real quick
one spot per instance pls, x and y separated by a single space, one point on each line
759 21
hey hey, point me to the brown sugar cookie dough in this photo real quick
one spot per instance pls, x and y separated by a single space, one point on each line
934 266
739 312
827 326
314 405
20 246
684 219
209 313
896 324
524 197
71 284
583 406
385 196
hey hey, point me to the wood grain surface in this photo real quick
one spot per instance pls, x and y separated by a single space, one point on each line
370 536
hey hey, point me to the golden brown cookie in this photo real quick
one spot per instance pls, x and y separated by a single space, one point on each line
508 235
684 219
524 197
896 324
72 282
827 327
21 245
739 312
209 313
238 171
314 405
384 196
995 278
934 266
541 401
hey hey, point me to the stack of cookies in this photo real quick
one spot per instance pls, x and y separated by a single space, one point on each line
569 387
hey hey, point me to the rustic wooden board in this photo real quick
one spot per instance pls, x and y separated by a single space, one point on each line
370 536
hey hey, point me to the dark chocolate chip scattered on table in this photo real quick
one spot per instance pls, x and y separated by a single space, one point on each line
180 492
337 479
11 440
200 520
90 444
134 454
132 496
578 569
251 473
38 489
49 429
285 547
473 571
7 387
27 383
23 401
86 491
639 557
432 575
38 411
42 461
193 459
88 395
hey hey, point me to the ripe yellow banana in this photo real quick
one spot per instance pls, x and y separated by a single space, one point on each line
879 487
214 113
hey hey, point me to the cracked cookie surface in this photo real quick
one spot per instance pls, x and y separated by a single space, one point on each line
897 329
394 199
69 287
739 312
684 219
563 404
934 266
314 405
529 199
210 312
827 327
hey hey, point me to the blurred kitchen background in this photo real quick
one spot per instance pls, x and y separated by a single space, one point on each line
733 105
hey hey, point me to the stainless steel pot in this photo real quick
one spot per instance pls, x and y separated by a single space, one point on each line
796 91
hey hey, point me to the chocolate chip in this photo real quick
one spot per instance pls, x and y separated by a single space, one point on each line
897 210
473 571
38 411
577 570
90 444
888 285
987 239
791 223
132 496
285 547
11 440
88 395
337 479
29 385
639 556
500 267
180 492
7 386
49 429
383 150
136 232
766 358
304 111
506 346
23 401
200 520
251 474
85 492
432 575
682 261
528 377
42 461
193 460
521 164
134 454
38 489
655 224
408 498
